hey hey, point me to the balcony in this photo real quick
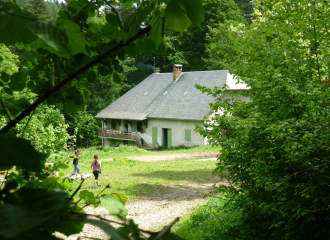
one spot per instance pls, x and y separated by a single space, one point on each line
119 134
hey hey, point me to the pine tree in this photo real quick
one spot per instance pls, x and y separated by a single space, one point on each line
38 8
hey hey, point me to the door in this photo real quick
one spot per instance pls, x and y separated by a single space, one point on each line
167 138
154 137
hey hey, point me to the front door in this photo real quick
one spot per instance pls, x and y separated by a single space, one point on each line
167 138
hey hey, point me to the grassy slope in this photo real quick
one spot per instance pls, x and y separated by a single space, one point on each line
210 221
136 178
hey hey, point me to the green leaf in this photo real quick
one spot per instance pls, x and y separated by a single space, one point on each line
116 78
5 77
122 54
27 64
14 26
61 165
119 69
147 46
160 48
72 107
52 36
87 196
112 19
102 70
66 227
17 83
35 207
1 59
120 197
133 49
114 207
157 29
33 74
128 4
195 11
20 153
76 39
8 91
111 231
29 57
176 17
108 29
91 76
78 5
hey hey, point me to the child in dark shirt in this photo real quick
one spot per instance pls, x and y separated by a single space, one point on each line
75 163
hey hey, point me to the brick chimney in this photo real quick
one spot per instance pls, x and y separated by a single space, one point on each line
177 70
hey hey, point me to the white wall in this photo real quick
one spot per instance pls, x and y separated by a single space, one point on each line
178 131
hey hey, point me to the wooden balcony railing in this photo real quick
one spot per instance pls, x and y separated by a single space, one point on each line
124 135
118 134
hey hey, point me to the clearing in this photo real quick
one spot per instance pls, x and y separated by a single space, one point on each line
160 187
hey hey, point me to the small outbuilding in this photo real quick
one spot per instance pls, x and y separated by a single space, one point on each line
163 109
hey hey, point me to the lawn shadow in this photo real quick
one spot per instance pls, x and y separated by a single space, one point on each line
200 175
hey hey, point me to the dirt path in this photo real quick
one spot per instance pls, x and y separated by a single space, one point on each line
157 210
162 157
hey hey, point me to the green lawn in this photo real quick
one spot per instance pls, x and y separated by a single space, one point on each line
136 178
126 151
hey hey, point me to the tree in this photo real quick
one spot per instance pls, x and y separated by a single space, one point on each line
275 151
247 9
67 51
85 127
38 8
189 47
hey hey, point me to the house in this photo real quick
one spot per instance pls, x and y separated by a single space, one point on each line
163 109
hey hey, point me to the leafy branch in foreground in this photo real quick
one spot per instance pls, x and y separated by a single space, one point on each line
58 56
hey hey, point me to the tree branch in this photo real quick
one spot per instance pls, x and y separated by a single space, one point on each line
3 106
72 76
27 123
297 173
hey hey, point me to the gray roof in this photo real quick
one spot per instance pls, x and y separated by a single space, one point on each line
158 96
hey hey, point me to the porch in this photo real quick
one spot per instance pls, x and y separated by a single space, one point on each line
123 135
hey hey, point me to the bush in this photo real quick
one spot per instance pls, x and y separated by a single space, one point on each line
210 221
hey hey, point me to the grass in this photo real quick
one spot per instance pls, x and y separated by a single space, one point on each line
126 151
136 178
208 222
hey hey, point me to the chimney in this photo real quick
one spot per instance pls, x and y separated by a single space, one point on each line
157 70
177 70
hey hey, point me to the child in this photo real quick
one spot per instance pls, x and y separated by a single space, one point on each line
96 166
75 163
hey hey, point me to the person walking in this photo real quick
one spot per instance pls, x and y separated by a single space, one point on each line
96 166
76 163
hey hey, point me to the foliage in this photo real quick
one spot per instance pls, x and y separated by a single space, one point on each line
220 49
85 127
101 95
8 61
190 47
276 158
37 8
209 221
63 53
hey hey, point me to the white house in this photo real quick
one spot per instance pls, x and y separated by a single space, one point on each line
163 109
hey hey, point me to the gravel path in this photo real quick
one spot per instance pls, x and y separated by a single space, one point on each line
154 212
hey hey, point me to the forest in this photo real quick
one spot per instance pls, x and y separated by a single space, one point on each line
189 48
62 62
